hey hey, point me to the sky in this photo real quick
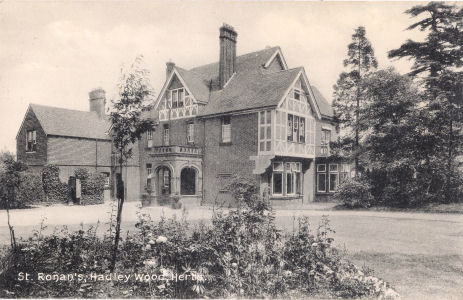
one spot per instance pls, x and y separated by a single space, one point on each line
53 52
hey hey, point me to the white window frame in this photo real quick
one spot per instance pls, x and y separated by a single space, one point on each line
165 135
31 136
265 130
171 100
226 130
287 169
190 136
149 137
278 168
321 170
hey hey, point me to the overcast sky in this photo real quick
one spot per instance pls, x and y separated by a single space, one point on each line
53 53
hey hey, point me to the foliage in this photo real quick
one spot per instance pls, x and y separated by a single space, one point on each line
55 190
92 185
10 182
240 253
437 61
354 192
348 100
30 189
127 124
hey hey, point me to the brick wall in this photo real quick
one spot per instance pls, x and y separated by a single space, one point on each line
78 151
230 159
38 158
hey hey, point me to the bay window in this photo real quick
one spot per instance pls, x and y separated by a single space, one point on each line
265 131
329 176
296 129
286 179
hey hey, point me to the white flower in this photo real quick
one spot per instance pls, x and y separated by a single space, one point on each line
234 265
314 244
161 239
152 242
287 273
150 262
148 247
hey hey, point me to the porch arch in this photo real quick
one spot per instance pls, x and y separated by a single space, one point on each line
189 180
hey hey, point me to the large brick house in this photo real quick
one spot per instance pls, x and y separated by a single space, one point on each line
247 115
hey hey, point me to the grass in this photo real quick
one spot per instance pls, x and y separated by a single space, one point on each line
450 208
417 276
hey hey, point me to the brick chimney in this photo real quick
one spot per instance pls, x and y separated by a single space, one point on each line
227 53
169 67
97 101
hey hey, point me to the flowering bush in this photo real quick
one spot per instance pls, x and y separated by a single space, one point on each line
241 253
55 190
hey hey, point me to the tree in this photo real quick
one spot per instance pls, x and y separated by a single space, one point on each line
127 126
394 137
436 62
347 101
10 179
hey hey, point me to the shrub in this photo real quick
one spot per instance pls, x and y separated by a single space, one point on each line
92 187
240 254
354 192
30 189
55 190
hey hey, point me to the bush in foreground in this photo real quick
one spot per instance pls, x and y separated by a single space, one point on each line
240 253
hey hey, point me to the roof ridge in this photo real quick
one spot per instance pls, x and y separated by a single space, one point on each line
56 107
249 53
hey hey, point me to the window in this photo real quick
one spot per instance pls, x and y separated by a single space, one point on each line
297 94
226 130
302 130
265 130
277 178
286 178
325 141
296 129
177 98
149 171
330 176
149 136
31 142
165 135
190 135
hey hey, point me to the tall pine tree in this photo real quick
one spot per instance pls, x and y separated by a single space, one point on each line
437 62
348 101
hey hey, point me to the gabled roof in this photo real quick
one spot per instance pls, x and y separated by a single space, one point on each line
252 86
325 107
250 91
72 123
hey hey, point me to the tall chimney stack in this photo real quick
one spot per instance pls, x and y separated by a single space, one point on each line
227 53
97 101
169 67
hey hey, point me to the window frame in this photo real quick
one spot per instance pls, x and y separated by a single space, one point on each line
149 138
226 128
33 140
287 170
190 133
165 135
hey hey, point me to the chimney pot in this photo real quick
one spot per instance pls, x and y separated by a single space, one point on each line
227 53
97 100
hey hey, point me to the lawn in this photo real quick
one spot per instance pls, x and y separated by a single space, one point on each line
417 276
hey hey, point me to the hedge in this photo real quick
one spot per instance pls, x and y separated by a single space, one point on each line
30 189
55 190
92 185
